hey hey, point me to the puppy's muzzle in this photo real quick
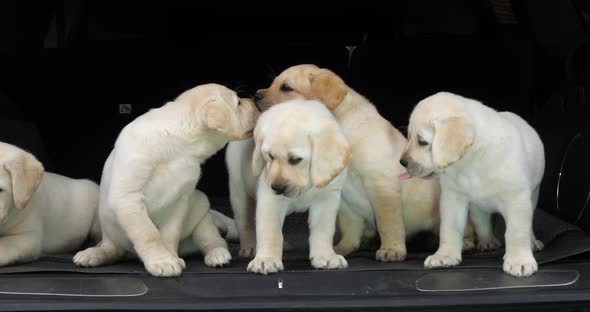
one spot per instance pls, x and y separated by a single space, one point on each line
403 162
279 189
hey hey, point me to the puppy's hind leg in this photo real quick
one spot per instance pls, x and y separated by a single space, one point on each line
518 259
351 228
19 248
106 252
535 243
482 222
244 208
206 235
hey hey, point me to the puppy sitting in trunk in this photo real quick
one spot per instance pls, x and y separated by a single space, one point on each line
301 156
488 162
42 212
148 203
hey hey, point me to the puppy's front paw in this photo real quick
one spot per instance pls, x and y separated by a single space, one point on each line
537 245
397 253
218 257
520 266
165 266
488 244
330 262
90 257
441 261
265 265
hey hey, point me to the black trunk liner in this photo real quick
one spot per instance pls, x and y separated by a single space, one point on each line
561 240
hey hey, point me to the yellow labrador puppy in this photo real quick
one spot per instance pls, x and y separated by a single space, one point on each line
148 203
300 155
374 200
42 213
488 161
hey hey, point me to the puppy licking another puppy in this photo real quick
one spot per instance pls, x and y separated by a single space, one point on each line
488 162
148 203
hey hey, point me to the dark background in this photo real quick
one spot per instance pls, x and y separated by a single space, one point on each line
66 66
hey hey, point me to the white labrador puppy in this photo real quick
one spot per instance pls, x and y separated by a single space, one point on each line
42 213
148 203
490 161
300 155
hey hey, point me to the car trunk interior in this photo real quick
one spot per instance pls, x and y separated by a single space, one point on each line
74 73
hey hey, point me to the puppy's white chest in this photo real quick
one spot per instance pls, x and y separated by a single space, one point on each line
480 190
170 181
355 196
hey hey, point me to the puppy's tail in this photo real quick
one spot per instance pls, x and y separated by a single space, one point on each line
226 225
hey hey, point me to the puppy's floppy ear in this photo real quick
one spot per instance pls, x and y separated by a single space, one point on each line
257 159
329 156
452 138
328 88
219 117
26 173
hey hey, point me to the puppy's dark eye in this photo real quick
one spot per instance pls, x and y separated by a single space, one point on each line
421 142
239 102
285 88
294 160
1 190
271 157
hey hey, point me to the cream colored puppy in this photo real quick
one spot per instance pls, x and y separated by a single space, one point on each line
373 200
488 161
300 155
42 213
148 203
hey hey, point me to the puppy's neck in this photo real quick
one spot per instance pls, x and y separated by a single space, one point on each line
352 102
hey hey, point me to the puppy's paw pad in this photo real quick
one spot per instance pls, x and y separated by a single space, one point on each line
90 257
165 266
537 245
391 254
265 265
247 252
217 257
330 262
520 266
441 261
489 244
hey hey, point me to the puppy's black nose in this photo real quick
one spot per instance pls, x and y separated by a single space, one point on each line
403 162
279 188
258 96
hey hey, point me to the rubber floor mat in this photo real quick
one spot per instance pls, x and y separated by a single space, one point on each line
561 240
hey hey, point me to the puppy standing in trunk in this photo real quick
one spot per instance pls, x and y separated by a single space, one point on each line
42 213
488 162
148 203
301 156
374 201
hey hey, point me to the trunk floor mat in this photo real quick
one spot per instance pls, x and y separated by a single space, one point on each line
561 240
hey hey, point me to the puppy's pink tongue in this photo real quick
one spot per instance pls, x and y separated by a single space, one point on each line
405 176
